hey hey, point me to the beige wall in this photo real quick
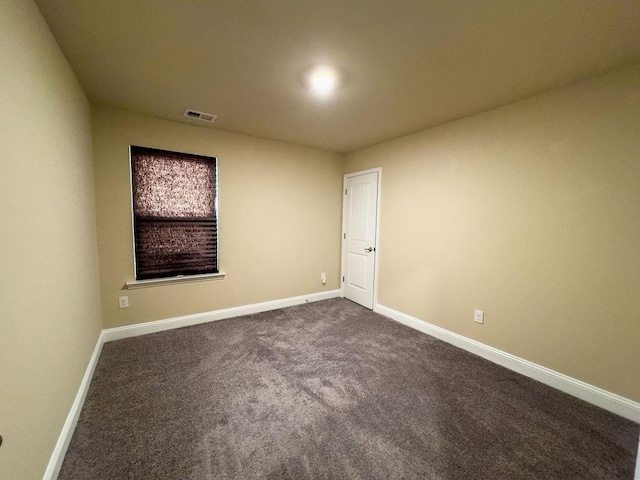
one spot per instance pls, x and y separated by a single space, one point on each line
279 217
530 212
49 294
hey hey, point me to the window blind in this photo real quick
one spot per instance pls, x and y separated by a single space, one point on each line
174 213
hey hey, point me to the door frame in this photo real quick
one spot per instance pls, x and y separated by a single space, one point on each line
377 170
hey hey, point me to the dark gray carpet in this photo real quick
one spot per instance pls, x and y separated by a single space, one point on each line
330 390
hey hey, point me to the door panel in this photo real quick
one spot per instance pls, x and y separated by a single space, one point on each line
357 273
359 254
359 211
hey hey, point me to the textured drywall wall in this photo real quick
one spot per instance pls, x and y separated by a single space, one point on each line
530 212
49 292
279 217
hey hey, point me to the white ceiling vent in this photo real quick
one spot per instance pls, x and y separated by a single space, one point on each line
205 117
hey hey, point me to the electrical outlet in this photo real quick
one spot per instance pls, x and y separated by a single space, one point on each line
323 278
478 316
123 302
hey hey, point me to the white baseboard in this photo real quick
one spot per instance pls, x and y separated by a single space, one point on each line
637 475
594 395
59 451
118 333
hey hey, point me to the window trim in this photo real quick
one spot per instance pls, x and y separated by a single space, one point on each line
182 278
159 282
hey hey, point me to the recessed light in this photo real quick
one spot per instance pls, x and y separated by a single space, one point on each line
322 80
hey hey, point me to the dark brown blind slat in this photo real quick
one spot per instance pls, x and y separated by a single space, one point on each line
175 224
185 220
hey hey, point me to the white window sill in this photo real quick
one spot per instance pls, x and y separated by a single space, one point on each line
158 282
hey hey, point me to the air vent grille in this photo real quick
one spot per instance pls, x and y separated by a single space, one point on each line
205 117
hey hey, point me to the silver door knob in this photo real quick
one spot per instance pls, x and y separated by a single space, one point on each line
368 250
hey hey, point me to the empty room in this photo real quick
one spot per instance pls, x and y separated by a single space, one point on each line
320 240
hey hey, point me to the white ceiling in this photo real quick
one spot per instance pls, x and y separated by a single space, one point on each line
406 64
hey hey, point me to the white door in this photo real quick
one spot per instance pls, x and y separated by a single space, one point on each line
359 237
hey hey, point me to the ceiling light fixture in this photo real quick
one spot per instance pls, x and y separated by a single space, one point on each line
322 80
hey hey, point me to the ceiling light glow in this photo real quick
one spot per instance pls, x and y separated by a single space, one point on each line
323 80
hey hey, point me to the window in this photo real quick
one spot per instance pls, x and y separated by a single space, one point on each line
175 214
